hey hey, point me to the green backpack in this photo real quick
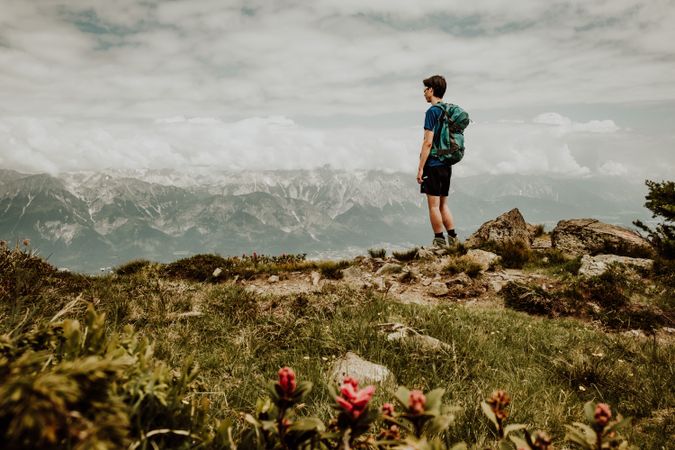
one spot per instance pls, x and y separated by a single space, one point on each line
448 143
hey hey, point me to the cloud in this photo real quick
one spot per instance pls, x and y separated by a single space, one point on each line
90 84
278 142
613 168
565 124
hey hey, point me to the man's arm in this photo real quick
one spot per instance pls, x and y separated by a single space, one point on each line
424 153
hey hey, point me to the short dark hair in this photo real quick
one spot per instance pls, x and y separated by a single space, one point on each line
437 84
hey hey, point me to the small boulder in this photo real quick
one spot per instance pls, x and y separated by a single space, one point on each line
273 279
380 284
389 268
598 264
401 332
438 289
351 273
217 272
485 259
315 277
365 372
589 236
510 226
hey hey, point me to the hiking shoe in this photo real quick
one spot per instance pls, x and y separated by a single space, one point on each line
452 241
439 243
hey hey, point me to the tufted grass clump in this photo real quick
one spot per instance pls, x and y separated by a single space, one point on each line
514 254
332 269
406 255
463 264
131 267
377 252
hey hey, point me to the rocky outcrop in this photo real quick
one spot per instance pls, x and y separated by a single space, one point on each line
510 226
352 365
590 236
597 265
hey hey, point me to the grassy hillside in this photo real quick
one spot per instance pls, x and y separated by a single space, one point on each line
213 345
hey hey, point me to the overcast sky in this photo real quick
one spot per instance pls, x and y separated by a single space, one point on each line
575 88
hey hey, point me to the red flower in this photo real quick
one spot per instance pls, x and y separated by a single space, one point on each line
354 402
417 402
602 414
498 402
287 381
388 409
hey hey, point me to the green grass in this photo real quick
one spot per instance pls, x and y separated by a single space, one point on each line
550 367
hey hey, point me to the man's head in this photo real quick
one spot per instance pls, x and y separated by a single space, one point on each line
434 87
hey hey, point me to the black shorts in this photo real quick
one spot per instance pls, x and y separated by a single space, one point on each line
436 180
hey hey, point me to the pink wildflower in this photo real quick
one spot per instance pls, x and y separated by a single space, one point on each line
498 402
417 402
602 414
388 409
353 401
287 381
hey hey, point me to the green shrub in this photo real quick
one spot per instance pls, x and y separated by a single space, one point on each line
22 272
406 255
70 385
132 267
531 299
538 230
463 264
514 254
573 265
377 252
661 202
196 268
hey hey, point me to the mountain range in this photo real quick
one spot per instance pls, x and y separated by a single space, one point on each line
88 220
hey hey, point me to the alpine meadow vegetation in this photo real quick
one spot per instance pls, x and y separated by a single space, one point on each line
173 356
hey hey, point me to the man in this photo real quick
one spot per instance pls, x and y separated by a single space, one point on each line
433 175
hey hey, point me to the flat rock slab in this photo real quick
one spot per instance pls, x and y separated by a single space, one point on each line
598 264
365 372
587 236
497 280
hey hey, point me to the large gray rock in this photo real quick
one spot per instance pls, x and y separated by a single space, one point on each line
365 372
597 265
589 236
510 226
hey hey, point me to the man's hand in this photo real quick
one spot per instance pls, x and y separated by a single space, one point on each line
419 175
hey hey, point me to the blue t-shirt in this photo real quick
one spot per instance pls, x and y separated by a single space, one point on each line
430 121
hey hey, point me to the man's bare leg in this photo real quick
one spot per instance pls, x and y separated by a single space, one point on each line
446 215
435 217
